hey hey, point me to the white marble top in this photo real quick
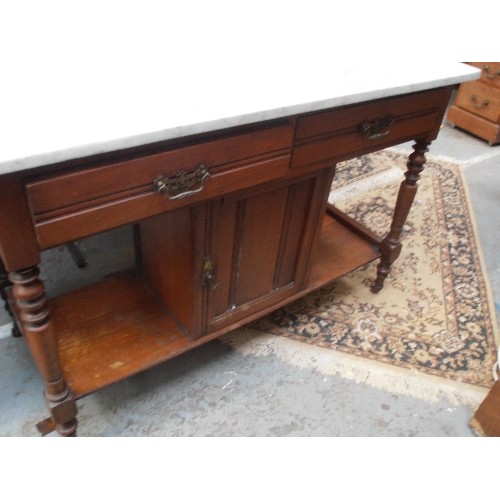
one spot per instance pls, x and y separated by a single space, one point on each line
55 113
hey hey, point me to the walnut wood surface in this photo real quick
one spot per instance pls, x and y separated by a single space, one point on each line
333 136
390 246
339 251
120 326
112 330
18 245
486 419
58 193
169 249
259 219
260 246
39 333
133 207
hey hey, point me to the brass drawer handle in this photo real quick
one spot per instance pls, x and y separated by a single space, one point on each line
489 75
379 127
181 184
477 105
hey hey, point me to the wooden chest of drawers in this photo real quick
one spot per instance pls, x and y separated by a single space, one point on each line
477 105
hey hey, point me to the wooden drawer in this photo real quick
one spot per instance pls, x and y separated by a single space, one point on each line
490 72
481 99
69 205
338 134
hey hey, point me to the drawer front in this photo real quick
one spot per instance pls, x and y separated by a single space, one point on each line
490 72
68 206
65 192
132 208
481 99
335 135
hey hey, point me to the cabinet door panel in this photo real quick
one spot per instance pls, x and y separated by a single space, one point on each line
299 199
223 217
259 246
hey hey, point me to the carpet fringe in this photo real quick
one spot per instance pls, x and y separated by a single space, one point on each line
394 379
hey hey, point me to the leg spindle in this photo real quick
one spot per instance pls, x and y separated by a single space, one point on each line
390 247
29 293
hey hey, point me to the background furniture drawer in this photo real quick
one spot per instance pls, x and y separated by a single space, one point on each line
490 72
480 99
69 205
335 135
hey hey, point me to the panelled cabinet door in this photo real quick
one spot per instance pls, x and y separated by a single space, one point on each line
256 250
226 261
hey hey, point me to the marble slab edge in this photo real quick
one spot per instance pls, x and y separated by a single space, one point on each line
84 150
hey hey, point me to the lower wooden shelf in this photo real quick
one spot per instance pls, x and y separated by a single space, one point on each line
119 327
340 251
111 330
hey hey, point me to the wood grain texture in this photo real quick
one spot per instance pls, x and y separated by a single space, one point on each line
119 326
480 99
94 185
18 245
477 105
490 72
224 240
258 253
295 230
260 222
137 206
31 303
112 330
474 124
169 245
339 251
329 137
486 419
391 245
260 243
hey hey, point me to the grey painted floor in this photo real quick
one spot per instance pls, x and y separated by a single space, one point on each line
217 390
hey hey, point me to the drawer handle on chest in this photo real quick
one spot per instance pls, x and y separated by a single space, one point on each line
379 127
479 105
489 75
183 184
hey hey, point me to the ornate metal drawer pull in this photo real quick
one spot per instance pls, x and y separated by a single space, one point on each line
182 184
489 75
379 127
479 105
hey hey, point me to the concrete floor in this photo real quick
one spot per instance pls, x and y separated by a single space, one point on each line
217 390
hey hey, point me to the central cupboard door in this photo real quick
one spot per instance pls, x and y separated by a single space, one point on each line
219 264
256 249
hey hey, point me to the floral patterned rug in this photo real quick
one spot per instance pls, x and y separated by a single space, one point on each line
435 313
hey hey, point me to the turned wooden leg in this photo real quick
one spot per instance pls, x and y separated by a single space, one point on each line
29 293
4 283
390 247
